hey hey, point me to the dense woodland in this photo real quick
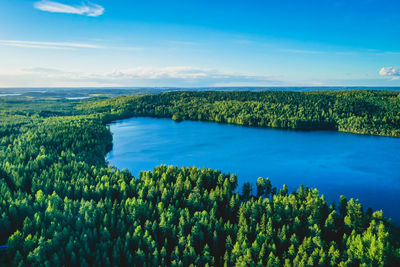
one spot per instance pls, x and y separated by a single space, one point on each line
362 112
61 204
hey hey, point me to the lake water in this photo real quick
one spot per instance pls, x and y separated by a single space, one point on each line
358 166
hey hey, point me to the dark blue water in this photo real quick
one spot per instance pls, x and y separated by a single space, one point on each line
357 166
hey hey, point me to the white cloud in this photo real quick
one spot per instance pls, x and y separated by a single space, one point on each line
302 51
160 73
48 45
244 41
43 70
90 10
184 74
390 71
180 42
175 76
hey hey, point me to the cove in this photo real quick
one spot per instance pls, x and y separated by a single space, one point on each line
356 166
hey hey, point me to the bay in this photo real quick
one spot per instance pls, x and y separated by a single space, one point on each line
356 166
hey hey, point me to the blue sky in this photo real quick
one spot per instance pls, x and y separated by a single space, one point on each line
195 43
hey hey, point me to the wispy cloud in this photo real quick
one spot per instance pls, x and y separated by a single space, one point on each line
302 51
48 45
174 42
173 76
89 9
390 71
43 70
387 53
184 76
244 41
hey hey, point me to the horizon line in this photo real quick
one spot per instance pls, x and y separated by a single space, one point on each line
199 87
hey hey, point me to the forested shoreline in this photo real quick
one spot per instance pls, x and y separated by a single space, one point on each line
360 112
61 204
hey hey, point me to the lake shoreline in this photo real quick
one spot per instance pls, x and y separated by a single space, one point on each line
323 164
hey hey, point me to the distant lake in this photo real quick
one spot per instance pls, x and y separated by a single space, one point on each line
77 97
3 95
357 166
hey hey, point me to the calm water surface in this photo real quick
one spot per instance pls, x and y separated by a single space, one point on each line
358 166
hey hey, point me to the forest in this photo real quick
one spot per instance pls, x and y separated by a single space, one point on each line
62 204
362 112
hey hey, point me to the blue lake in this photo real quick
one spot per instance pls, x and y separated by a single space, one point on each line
357 166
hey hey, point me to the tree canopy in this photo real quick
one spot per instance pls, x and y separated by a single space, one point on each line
62 204
361 112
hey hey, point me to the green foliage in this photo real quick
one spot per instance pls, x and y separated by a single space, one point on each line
61 204
362 112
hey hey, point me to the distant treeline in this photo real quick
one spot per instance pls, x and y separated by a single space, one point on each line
62 205
362 112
